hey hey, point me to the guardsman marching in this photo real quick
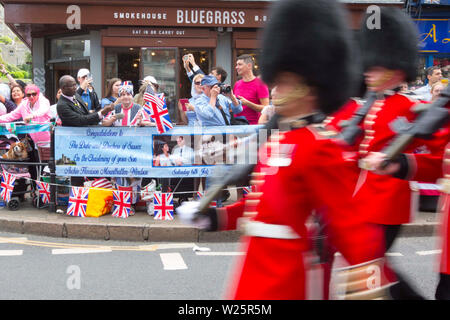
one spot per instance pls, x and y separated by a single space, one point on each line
427 168
389 56
300 169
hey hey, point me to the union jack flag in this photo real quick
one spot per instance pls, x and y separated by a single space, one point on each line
7 185
200 195
122 204
44 191
78 199
163 206
248 190
155 107
136 120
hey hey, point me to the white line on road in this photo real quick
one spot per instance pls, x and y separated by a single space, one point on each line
173 261
425 253
5 253
394 254
219 253
80 250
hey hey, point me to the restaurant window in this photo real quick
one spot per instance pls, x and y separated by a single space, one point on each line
421 73
123 63
161 63
444 62
70 47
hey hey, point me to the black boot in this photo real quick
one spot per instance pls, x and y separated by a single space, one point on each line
403 291
443 288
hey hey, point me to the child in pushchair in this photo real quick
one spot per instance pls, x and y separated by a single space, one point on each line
25 174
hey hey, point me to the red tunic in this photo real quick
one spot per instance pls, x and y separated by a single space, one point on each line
387 200
315 178
429 168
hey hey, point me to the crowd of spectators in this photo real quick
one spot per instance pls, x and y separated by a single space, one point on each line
212 102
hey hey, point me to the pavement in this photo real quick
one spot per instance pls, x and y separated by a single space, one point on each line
142 227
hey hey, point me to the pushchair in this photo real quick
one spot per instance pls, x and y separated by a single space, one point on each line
43 174
23 173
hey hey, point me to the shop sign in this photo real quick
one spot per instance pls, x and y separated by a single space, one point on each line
137 16
158 32
434 35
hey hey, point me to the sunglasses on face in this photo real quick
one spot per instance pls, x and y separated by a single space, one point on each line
198 83
33 94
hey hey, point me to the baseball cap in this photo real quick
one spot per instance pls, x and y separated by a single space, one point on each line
83 72
150 79
209 81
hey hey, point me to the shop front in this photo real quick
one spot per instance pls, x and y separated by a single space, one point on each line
134 39
434 42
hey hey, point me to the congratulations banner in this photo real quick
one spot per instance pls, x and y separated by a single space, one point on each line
142 152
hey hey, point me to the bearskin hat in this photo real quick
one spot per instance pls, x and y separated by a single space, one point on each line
312 39
392 44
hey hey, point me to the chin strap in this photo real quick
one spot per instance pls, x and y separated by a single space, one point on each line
299 92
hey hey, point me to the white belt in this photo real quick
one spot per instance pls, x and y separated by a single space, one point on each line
444 185
265 230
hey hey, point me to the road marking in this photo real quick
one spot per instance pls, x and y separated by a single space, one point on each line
5 253
80 250
429 252
9 240
388 254
163 246
217 253
394 254
173 261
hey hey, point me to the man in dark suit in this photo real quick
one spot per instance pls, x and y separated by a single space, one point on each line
72 110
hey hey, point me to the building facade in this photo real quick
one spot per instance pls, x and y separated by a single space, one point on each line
136 38
433 21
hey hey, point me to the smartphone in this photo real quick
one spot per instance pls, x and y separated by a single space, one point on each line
119 116
183 104
185 57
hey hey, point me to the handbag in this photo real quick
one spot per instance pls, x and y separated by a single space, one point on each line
237 121
233 121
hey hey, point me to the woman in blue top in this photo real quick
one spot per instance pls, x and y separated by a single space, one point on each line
112 91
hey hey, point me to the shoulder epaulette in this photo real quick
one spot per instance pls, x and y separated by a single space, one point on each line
322 131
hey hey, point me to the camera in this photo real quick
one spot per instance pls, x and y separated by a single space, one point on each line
224 88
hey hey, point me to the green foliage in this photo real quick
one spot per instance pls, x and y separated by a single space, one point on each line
5 40
21 74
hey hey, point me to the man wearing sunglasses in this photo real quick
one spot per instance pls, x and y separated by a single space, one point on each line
212 107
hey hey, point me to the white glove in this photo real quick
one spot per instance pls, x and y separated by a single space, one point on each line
188 214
